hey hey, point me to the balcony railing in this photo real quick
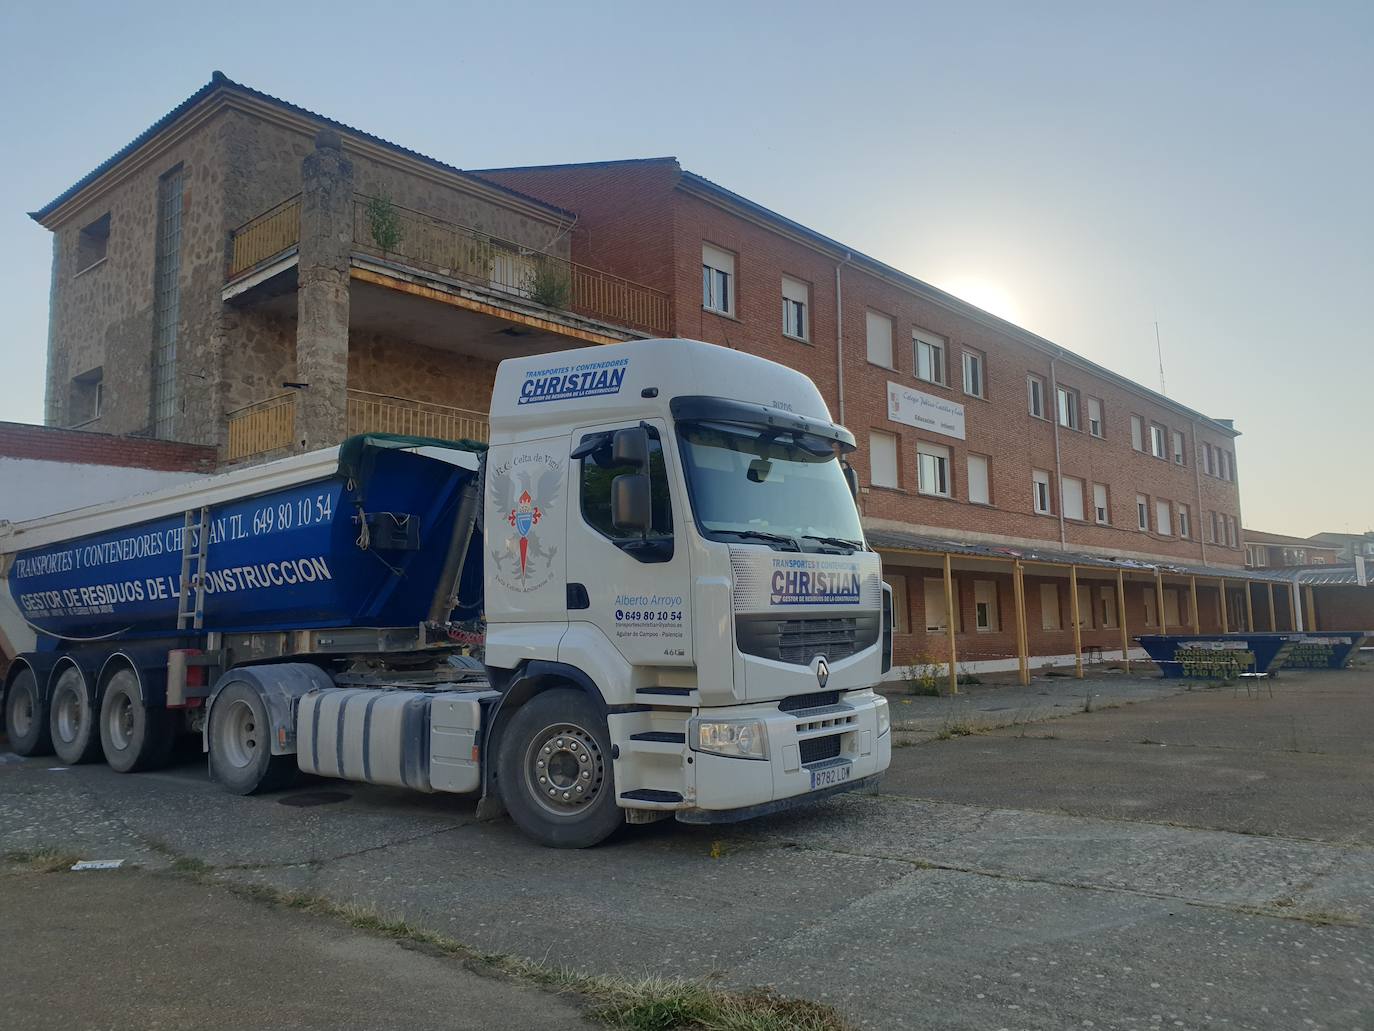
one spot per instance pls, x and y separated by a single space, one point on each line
262 427
268 425
383 413
453 251
274 231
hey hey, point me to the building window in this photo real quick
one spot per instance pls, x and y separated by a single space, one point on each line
1040 488
1185 521
1231 532
930 356
1142 511
87 394
1071 497
1224 464
882 460
880 340
1085 606
986 619
1163 520
166 302
978 487
1095 417
1211 529
1156 440
973 374
1035 393
1207 465
717 280
1107 613
1178 448
897 582
1256 555
937 613
796 301
1101 510
932 466
92 242
1050 618
1150 608
1068 407
1137 433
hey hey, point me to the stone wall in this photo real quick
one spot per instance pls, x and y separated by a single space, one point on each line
384 365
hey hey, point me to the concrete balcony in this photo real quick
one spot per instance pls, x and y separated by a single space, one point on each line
438 283
267 428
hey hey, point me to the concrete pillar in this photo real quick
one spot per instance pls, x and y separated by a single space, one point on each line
326 248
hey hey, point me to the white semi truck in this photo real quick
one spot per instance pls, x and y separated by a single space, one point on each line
650 596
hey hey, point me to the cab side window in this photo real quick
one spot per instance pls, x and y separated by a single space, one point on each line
598 471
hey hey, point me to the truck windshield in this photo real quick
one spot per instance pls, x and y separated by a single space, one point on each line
750 482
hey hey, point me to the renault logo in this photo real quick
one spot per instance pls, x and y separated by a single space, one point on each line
822 671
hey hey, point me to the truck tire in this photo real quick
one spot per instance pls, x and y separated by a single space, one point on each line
241 759
26 717
72 721
134 737
554 769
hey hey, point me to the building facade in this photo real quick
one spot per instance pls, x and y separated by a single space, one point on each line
256 278
1278 551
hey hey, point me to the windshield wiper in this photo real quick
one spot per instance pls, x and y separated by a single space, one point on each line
764 535
838 542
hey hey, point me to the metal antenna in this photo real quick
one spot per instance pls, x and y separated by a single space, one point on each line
1159 351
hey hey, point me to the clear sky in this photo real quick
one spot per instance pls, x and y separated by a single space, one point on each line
1084 169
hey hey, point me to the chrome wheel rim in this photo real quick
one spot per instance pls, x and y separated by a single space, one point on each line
120 723
240 737
565 769
21 713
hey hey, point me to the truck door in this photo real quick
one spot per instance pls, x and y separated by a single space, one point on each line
632 586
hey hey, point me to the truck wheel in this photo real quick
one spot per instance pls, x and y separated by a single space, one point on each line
554 768
71 720
241 758
26 717
135 738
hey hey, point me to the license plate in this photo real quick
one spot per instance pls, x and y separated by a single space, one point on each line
830 775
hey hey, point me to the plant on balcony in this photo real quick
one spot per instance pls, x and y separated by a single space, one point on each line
550 284
384 223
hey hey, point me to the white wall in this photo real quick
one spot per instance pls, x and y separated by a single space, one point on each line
31 487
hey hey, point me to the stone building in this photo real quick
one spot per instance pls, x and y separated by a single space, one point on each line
252 276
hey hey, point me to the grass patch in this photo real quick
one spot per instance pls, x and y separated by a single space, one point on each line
635 1004
42 860
960 729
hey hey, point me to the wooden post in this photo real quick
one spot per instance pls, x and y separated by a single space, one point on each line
1077 623
1295 606
1249 610
951 616
1018 583
1273 619
1225 623
1192 600
1311 609
1121 618
1159 602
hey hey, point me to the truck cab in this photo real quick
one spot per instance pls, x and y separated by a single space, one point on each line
669 527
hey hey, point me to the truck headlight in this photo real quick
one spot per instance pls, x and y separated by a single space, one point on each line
739 739
884 716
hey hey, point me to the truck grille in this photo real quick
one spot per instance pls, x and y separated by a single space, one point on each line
818 749
798 641
809 701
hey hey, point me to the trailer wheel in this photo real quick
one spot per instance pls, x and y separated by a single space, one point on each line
135 738
71 720
554 767
26 717
240 734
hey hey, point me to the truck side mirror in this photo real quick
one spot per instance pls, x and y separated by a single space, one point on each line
631 505
630 446
851 478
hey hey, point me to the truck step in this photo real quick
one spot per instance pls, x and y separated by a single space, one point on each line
652 795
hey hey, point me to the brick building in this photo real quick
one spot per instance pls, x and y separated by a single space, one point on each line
257 278
1112 505
1278 551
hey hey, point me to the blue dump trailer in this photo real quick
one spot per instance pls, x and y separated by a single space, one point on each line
1226 656
648 597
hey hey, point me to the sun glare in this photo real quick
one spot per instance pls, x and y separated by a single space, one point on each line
986 295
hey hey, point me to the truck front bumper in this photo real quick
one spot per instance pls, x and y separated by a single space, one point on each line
812 754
